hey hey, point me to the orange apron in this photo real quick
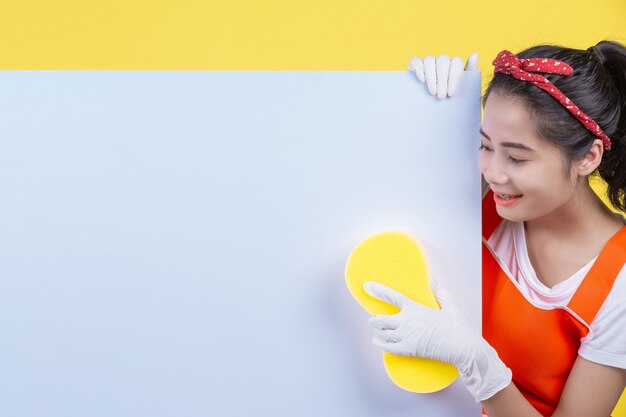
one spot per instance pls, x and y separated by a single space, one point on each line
539 345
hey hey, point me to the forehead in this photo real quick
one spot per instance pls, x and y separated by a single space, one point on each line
507 118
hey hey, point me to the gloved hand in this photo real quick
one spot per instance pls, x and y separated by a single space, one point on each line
442 75
444 335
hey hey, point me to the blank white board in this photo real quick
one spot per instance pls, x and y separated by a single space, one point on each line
173 243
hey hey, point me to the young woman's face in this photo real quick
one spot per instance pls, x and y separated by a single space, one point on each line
526 173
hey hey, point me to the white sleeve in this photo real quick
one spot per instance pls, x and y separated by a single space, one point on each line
606 342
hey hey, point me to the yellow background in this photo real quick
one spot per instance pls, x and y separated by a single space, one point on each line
289 34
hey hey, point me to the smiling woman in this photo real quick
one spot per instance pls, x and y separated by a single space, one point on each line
554 281
526 172
554 250
549 234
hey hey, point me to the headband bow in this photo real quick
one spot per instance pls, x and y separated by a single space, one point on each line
525 69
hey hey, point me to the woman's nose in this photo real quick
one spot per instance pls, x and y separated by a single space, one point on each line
493 172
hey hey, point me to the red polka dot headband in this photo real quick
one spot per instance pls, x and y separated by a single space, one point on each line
508 63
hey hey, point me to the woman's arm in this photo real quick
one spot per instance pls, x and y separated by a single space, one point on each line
509 402
592 390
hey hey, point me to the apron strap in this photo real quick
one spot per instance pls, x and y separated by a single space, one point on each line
596 286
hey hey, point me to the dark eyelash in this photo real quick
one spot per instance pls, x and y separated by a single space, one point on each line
516 161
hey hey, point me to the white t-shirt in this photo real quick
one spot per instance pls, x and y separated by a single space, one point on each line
606 341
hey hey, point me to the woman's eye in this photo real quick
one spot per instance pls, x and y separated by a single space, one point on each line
482 147
516 161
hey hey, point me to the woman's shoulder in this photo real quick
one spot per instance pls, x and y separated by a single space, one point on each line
606 343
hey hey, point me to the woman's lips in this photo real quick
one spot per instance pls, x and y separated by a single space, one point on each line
504 199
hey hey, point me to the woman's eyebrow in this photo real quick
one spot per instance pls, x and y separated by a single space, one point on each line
482 132
507 144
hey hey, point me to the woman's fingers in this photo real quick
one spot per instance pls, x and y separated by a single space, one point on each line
417 66
395 348
442 65
430 73
386 322
390 336
472 62
442 74
387 294
456 70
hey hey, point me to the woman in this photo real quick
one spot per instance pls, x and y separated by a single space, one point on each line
554 286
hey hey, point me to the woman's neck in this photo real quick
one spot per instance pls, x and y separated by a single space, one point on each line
561 243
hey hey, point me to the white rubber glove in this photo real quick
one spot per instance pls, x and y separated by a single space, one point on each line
445 335
442 75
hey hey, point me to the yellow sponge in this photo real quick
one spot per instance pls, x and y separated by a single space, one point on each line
398 261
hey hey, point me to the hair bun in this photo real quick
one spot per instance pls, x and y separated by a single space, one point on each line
597 53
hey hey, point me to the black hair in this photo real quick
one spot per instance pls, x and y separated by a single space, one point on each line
598 87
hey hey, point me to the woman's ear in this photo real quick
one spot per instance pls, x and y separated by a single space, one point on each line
591 160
